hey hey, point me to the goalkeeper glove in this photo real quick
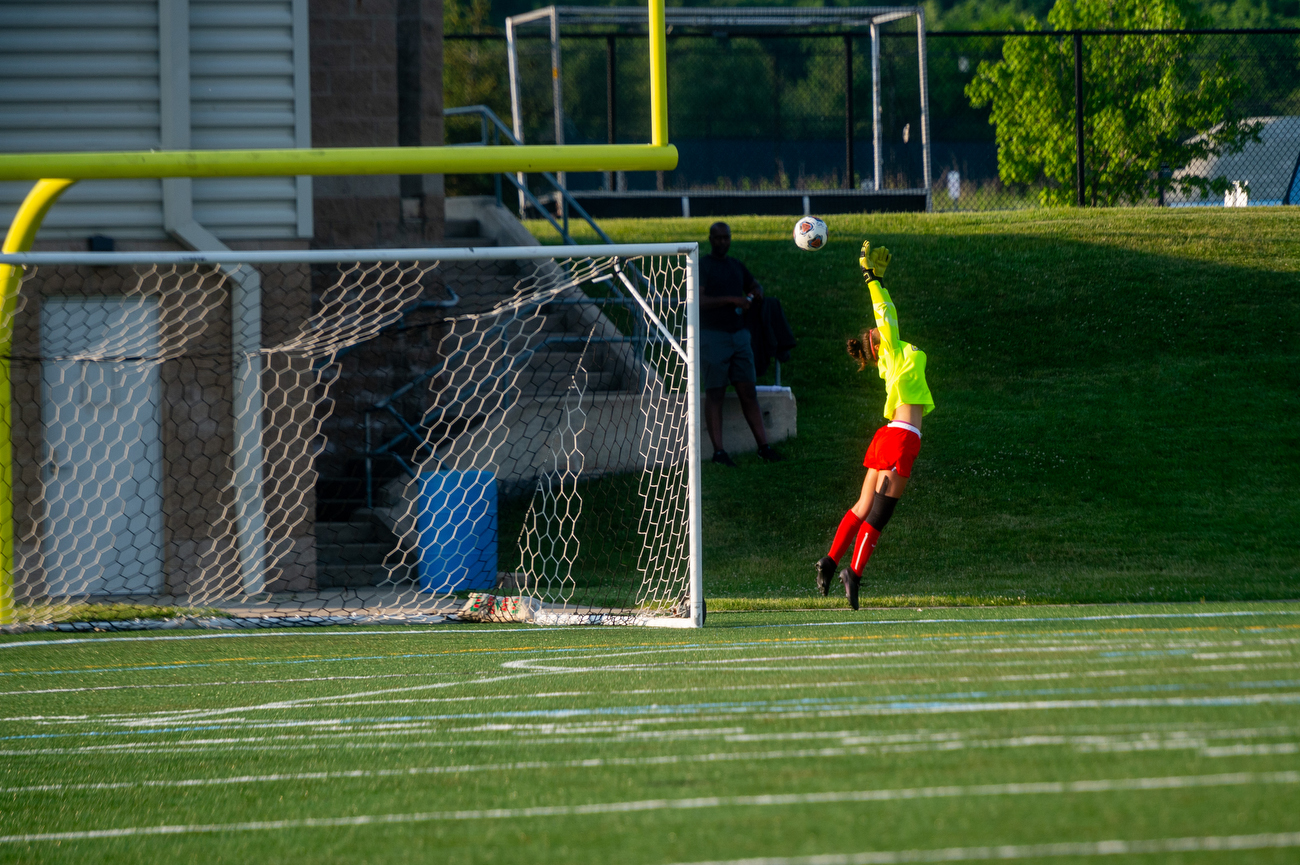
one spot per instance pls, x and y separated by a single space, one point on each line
873 261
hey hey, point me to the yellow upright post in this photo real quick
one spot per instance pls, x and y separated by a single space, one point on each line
658 76
22 231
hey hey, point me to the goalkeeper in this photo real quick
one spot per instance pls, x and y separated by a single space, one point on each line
894 446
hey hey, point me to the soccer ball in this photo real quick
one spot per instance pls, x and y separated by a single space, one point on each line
810 233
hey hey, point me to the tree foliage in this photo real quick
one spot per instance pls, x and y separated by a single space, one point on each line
1150 103
473 72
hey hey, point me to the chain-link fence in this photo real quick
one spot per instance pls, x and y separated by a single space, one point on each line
1182 118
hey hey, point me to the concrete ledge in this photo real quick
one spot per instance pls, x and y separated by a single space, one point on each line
780 416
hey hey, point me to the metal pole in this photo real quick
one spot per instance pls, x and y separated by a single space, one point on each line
876 132
611 100
557 91
1078 117
370 475
22 232
923 63
848 111
516 109
694 456
658 74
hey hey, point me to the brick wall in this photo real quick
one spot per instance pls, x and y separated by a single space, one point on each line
376 77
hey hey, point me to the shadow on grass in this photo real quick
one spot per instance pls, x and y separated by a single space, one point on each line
1115 414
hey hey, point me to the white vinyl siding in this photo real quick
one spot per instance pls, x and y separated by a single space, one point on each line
85 76
82 76
242 95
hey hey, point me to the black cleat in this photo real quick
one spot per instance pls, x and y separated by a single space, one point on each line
769 454
825 570
723 458
851 582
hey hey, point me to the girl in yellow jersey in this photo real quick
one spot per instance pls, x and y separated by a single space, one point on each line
895 446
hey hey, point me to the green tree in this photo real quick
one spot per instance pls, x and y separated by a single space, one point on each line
473 72
1150 102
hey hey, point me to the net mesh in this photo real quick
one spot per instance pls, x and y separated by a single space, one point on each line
372 443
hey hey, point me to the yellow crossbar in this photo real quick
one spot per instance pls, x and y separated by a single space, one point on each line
339 160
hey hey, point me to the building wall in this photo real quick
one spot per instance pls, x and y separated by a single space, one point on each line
376 81
158 74
199 549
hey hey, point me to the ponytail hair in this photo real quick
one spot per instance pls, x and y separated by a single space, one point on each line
866 350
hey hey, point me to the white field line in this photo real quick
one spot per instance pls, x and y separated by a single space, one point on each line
147 717
524 671
1098 618
780 799
931 653
852 743
813 686
759 686
219 684
200 714
622 717
848 744
1252 750
311 633
782 662
459 631
902 708
1002 852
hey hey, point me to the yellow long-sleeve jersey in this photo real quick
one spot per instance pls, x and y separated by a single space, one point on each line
902 365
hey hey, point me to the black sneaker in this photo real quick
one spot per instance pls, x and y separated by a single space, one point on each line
851 582
769 455
825 570
723 458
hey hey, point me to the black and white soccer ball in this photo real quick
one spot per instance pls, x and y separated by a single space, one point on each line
810 233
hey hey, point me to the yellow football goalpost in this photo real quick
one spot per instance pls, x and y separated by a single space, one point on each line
56 172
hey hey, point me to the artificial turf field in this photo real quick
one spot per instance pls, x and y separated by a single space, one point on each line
1145 733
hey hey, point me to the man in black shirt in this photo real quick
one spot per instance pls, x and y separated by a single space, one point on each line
726 289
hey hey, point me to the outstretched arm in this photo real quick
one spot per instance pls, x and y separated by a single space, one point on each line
873 263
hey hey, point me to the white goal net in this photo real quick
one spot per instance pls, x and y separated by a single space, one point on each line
358 436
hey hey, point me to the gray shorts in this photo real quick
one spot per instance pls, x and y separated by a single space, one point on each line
726 357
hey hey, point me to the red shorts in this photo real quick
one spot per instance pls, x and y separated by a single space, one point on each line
894 448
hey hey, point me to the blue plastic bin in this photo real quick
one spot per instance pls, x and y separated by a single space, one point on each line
456 527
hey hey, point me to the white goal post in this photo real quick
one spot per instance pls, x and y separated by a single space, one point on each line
415 425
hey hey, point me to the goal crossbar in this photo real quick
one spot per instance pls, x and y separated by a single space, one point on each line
337 256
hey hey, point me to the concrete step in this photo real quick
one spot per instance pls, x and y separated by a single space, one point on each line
549 361
348 576
352 553
542 381
470 227
356 531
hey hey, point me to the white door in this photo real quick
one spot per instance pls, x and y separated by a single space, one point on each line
102 466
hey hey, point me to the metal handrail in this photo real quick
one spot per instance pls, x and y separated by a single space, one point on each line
493 130
412 431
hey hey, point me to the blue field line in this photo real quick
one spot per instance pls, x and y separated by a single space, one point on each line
658 710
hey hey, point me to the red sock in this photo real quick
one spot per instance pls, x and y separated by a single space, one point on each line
844 536
868 535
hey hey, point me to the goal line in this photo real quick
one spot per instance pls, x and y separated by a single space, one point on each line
499 433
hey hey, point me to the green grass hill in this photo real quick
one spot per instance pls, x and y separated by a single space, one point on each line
1117 396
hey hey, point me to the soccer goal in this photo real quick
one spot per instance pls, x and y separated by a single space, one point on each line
360 435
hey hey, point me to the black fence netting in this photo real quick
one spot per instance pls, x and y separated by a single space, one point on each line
1182 118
